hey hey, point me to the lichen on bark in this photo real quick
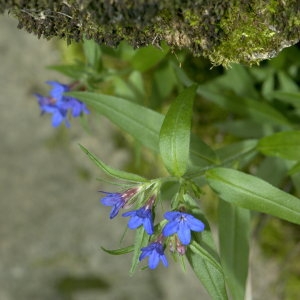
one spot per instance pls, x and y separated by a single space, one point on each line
225 31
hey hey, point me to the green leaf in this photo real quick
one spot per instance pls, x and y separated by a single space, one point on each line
208 270
164 80
131 88
92 53
292 98
286 83
203 258
245 129
110 171
250 192
268 85
147 57
258 111
174 139
201 156
142 123
242 78
181 75
284 144
141 240
72 71
295 169
234 228
236 152
119 251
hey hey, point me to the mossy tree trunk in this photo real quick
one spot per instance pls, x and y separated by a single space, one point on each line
226 31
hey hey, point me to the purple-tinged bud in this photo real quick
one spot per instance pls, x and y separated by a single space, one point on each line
175 246
118 200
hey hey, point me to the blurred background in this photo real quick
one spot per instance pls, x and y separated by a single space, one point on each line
51 222
52 225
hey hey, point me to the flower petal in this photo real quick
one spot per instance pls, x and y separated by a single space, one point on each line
114 211
195 224
135 222
129 213
155 251
184 233
153 260
148 225
57 118
57 89
170 228
171 215
164 260
111 199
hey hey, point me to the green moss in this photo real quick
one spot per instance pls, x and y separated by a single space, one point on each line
272 6
226 31
192 19
247 38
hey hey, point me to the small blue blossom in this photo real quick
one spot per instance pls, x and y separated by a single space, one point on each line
58 90
182 224
118 200
142 216
59 105
77 107
155 251
115 200
48 105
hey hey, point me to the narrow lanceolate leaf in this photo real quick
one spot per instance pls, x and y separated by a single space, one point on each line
250 192
208 270
203 257
92 53
292 98
119 251
140 122
234 227
111 171
147 57
284 144
73 71
141 240
174 139
255 110
201 155
236 151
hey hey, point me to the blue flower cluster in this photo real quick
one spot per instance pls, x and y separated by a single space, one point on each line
60 105
179 225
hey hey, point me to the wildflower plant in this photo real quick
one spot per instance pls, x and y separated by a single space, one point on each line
192 166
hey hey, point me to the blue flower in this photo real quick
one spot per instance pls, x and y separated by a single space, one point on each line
182 224
155 251
115 200
118 200
48 105
77 107
59 105
142 216
58 90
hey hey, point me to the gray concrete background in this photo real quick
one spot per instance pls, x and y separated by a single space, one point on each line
51 222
